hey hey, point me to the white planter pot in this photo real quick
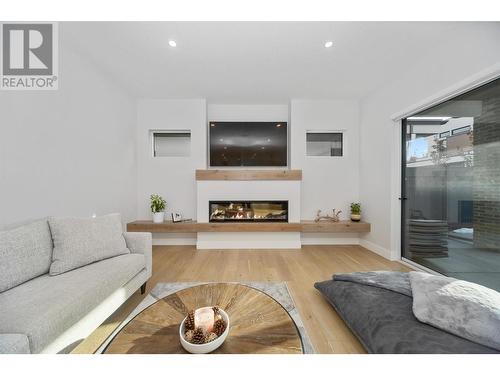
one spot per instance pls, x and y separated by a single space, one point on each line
355 217
158 217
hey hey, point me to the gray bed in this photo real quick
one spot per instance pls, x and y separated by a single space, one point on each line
384 323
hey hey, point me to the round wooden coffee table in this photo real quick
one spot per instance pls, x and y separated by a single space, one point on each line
258 324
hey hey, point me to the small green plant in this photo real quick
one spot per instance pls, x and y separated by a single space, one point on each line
356 208
157 203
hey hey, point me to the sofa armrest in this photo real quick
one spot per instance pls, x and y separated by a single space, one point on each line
141 243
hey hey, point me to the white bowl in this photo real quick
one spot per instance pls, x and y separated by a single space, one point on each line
209 346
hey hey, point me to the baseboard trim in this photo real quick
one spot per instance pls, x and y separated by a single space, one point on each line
417 267
221 245
377 249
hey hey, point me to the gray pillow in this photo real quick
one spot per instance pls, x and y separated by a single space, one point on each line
465 309
81 241
25 253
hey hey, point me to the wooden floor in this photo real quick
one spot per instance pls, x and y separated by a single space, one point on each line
299 268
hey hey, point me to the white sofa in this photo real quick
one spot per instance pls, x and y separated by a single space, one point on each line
52 314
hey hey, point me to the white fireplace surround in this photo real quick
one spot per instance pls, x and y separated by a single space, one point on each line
285 190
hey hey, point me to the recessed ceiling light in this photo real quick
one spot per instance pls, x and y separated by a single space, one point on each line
172 43
328 44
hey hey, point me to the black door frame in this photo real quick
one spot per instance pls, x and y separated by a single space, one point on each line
402 196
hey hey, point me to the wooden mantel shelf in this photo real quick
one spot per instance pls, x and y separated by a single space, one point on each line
248 174
303 226
344 226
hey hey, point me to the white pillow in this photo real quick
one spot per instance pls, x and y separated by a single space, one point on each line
81 241
465 309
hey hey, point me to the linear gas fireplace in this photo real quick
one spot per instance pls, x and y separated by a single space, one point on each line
248 211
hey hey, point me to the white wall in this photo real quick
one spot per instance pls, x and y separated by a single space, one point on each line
171 177
328 182
247 112
68 152
472 50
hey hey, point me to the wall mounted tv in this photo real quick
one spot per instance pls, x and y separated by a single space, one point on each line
248 144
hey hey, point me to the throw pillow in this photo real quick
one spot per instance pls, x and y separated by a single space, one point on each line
25 253
81 241
460 307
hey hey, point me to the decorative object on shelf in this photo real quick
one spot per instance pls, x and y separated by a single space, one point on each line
158 208
356 211
204 330
176 217
335 216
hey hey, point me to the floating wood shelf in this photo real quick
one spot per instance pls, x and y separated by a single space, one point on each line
303 226
344 226
165 227
248 174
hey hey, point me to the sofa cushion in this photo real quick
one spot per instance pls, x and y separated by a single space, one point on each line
81 241
25 253
43 308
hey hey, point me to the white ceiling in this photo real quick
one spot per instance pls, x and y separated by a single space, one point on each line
244 62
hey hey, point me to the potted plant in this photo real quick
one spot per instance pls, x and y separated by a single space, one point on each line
158 208
355 211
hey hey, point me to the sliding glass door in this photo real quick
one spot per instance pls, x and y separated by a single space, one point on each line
451 187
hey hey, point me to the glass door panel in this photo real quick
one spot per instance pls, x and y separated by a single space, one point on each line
451 187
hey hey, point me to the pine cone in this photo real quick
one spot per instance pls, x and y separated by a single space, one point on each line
189 323
210 337
219 327
198 336
189 335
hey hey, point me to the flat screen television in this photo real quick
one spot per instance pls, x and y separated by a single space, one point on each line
248 144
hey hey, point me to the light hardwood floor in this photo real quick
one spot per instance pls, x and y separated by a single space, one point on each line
299 268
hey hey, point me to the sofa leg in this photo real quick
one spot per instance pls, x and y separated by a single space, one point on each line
143 288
